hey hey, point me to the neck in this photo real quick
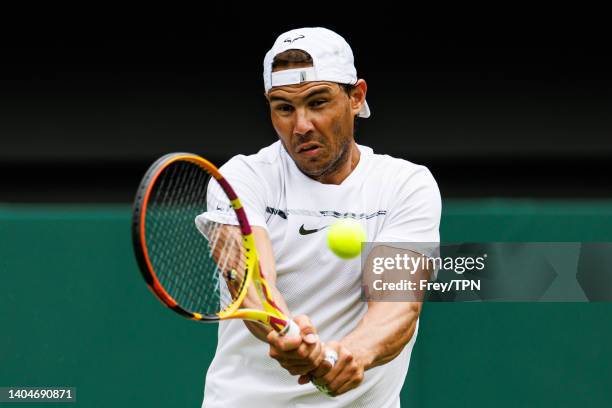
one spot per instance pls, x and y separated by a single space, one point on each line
345 167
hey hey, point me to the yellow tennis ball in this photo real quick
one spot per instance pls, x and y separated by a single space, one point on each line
344 238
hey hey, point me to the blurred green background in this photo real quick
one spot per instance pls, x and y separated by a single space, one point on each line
75 312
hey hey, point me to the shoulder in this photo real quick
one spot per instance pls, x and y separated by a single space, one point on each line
394 171
259 164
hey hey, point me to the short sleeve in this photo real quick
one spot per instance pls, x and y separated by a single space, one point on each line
249 187
414 212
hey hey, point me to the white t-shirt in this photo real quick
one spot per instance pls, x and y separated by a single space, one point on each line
395 201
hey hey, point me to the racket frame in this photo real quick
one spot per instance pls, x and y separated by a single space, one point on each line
271 315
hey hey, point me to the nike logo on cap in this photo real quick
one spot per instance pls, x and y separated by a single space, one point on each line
304 231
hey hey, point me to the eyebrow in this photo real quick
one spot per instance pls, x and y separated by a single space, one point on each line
310 95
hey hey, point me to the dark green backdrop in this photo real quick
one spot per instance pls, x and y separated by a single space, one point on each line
75 312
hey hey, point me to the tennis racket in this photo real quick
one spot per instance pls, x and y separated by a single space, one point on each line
195 247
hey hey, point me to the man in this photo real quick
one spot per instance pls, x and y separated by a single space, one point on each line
292 191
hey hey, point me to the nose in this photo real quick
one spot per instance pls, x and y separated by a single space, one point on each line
303 124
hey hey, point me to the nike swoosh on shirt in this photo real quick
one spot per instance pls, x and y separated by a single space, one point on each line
304 231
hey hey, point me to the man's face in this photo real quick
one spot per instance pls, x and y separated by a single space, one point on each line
314 121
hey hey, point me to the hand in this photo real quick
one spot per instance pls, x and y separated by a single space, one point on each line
345 375
298 355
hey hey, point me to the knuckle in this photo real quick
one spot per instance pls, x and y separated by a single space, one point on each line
320 371
324 380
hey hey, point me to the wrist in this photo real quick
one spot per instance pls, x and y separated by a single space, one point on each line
364 356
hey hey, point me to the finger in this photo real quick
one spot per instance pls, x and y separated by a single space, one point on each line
316 355
299 353
344 358
296 370
340 381
282 342
349 372
349 385
305 355
321 370
310 362
286 357
309 332
272 337
310 355
301 367
311 338
299 370
297 357
315 359
285 344
322 365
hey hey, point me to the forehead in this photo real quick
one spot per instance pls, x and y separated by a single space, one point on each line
304 90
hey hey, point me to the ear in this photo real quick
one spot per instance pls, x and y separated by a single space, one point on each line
358 96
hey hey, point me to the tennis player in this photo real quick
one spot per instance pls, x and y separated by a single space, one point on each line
292 191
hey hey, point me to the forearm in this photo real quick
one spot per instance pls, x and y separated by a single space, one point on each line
383 332
252 301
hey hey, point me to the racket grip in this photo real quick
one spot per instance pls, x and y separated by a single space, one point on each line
331 357
292 329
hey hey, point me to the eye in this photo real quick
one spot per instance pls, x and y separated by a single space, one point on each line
318 102
284 108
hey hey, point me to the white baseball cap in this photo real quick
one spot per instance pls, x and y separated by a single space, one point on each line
332 60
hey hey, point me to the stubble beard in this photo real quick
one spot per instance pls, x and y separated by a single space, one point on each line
334 165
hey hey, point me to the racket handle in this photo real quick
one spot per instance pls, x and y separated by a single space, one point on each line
331 357
292 329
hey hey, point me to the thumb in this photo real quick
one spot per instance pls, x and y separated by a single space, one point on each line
309 332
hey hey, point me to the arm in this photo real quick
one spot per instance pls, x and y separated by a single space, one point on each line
304 352
390 322
251 188
268 266
298 355
391 318
382 333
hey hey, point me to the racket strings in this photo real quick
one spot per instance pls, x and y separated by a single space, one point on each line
228 254
201 271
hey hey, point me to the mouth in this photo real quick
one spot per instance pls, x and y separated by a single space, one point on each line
309 148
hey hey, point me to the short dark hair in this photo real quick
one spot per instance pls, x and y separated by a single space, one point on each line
291 57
